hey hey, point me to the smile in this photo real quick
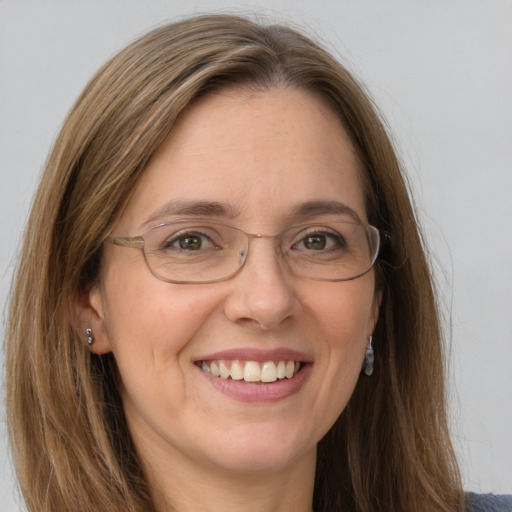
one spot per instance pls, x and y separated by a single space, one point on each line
251 371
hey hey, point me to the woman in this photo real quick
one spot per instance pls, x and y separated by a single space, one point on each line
229 301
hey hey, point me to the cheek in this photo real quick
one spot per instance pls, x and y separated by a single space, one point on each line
149 322
343 316
344 311
340 315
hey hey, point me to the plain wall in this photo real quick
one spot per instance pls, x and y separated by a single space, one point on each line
441 71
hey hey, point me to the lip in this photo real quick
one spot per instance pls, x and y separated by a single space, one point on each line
259 392
251 392
259 355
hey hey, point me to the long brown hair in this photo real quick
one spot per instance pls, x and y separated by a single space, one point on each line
389 450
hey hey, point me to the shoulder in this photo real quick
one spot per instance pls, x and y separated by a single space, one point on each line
488 502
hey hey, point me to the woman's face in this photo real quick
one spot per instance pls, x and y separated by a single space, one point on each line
257 161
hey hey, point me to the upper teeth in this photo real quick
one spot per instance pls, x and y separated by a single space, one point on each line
251 371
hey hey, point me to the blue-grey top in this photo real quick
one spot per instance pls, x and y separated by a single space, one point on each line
489 502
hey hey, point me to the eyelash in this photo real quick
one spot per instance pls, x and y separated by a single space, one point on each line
176 237
334 236
211 238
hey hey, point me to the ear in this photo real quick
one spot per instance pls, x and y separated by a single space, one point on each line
89 313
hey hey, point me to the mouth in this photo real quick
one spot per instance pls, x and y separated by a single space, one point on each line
252 371
256 376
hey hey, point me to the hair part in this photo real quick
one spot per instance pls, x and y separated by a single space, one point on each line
390 448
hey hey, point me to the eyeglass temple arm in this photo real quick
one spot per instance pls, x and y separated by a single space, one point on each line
124 241
386 242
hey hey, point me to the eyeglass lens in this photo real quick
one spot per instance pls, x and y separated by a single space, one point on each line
191 251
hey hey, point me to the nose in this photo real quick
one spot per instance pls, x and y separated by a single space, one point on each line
262 292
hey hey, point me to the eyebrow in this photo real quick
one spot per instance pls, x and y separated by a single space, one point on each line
216 209
315 208
189 209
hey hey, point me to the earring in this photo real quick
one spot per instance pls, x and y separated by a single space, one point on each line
369 358
90 337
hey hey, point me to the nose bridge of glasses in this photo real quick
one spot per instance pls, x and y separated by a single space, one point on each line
276 239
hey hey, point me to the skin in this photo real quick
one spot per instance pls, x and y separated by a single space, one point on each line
243 149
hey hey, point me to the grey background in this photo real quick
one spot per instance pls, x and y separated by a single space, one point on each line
441 71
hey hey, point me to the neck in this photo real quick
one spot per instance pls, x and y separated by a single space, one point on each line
179 487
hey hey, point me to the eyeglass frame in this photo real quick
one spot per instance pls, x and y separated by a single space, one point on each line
138 242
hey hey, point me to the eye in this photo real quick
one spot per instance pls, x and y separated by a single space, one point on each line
315 242
190 241
320 240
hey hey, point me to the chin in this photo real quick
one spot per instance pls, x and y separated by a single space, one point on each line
261 451
253 462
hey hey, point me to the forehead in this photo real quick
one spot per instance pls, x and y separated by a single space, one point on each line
260 153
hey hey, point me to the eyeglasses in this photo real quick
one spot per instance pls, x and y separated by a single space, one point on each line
205 251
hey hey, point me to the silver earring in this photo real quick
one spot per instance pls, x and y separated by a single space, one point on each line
369 358
90 337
